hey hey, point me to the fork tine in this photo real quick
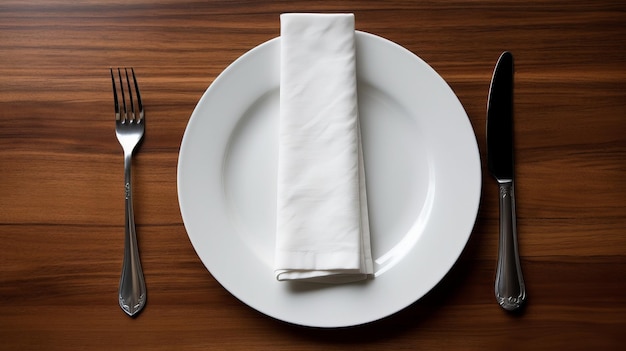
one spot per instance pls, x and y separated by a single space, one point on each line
130 97
125 115
139 103
115 101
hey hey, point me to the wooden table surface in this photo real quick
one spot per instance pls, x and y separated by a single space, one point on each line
61 207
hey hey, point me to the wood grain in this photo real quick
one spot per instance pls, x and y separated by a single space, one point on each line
61 217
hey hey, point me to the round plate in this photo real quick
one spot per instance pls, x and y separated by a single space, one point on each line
423 179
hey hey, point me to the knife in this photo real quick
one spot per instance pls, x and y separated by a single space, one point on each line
509 283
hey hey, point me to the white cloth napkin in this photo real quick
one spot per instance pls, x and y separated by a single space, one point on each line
322 221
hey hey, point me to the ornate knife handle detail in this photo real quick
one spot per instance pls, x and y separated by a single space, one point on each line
509 288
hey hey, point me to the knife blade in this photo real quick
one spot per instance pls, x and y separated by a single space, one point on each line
510 289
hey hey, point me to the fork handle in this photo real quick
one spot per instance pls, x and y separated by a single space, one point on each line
132 290
509 287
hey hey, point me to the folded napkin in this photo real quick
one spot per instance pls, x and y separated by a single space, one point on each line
322 221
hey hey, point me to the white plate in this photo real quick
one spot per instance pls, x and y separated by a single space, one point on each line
423 179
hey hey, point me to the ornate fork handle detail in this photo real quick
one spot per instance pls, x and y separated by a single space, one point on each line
129 128
132 290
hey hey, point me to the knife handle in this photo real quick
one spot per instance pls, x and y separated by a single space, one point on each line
509 288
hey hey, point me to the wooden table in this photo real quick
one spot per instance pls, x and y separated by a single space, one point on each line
61 214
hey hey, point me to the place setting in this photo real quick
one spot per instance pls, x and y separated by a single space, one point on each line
312 175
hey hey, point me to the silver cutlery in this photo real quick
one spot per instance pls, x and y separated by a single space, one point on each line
129 128
509 283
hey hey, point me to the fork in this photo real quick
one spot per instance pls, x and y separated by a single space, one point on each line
129 128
